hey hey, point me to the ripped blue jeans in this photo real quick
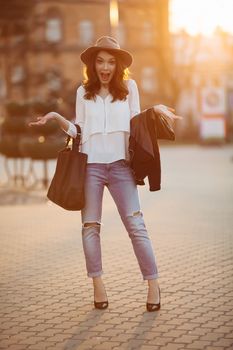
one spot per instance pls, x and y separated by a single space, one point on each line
118 178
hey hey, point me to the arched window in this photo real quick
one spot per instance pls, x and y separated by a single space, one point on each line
54 26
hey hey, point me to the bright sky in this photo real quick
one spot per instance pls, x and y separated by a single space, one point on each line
201 16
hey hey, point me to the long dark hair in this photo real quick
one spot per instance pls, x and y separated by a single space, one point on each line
117 86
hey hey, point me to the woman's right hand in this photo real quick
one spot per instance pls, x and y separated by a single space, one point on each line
43 120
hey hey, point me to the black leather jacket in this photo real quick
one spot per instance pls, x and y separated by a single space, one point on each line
145 128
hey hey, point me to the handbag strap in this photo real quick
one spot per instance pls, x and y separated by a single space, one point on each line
76 140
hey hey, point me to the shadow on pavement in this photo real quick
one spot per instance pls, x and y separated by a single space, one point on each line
82 334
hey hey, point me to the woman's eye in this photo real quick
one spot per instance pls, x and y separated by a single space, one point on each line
99 61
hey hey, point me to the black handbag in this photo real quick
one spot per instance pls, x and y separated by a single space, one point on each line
67 185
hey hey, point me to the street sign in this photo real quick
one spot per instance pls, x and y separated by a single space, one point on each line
213 112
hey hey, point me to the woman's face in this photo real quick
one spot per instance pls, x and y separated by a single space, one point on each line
105 65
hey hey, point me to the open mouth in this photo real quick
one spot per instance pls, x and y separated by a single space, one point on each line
105 76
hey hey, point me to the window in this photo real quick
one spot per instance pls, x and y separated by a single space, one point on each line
86 32
3 90
18 74
148 82
53 30
54 80
147 34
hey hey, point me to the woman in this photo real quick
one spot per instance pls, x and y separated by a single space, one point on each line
105 103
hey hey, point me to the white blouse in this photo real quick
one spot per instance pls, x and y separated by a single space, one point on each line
105 125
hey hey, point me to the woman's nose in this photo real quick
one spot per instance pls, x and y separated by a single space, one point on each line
105 65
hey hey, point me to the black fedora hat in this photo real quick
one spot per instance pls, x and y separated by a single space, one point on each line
109 44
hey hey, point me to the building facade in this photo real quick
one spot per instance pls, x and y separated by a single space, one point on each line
39 54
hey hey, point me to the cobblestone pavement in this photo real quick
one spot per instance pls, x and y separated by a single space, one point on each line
46 298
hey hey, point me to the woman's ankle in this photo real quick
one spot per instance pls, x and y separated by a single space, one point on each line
100 294
97 281
153 283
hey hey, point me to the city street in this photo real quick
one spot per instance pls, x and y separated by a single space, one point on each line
46 299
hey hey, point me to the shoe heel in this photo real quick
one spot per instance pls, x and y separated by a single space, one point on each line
154 307
101 305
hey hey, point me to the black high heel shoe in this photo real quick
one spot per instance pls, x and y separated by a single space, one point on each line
153 307
101 305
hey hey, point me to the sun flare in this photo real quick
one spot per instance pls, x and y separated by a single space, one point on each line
201 16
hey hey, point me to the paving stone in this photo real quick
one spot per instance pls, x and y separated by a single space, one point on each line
40 346
31 340
212 336
172 346
187 339
14 347
187 326
224 342
111 332
222 329
230 335
174 333
201 331
123 337
47 333
215 348
160 341
177 321
101 327
108 346
163 328
149 347
198 344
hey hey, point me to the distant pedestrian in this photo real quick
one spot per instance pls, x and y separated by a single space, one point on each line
105 104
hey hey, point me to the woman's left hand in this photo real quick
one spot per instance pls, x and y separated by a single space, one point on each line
166 112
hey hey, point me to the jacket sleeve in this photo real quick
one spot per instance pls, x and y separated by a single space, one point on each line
154 176
162 127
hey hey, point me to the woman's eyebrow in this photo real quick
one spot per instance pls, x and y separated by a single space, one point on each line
110 59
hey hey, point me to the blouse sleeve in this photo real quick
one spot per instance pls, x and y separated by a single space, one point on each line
80 107
72 131
134 102
79 119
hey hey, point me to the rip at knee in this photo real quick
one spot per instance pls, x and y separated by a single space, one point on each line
91 228
131 217
135 224
91 224
137 213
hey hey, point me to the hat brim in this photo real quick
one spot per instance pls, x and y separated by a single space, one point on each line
124 55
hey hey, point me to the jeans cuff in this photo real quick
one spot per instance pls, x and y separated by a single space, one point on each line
95 274
151 277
